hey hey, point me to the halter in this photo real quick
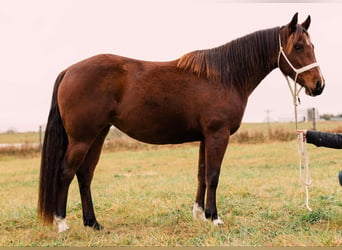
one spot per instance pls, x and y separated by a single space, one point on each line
301 141
293 90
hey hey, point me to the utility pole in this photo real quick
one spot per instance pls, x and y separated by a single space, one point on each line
268 116
268 119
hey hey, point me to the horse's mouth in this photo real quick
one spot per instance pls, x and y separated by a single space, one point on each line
308 91
315 92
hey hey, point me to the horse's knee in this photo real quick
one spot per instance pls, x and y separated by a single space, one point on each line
212 179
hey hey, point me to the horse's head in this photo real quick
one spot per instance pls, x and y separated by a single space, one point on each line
297 58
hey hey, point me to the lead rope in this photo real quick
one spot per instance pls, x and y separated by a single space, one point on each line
304 157
301 146
301 140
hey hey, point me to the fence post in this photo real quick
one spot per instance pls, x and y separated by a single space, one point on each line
313 118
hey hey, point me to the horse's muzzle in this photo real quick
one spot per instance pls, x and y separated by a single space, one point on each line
318 89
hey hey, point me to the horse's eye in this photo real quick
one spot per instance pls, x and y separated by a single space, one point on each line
298 46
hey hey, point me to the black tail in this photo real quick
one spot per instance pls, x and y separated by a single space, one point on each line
54 147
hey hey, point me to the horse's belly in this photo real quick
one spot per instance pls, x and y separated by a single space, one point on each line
165 139
159 132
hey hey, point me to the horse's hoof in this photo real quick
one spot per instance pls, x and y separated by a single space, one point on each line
93 224
61 224
218 222
198 212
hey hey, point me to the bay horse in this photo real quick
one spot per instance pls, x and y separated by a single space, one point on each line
198 97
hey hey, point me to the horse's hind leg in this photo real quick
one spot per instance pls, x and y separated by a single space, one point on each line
84 176
198 209
74 157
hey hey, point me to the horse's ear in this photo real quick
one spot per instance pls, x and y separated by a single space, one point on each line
293 24
306 23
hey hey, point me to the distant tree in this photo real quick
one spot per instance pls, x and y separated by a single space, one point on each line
11 130
326 116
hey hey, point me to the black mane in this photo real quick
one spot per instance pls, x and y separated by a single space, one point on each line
236 61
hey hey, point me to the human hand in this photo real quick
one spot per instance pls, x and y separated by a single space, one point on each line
302 131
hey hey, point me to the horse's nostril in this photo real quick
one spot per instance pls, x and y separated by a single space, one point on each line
319 88
318 84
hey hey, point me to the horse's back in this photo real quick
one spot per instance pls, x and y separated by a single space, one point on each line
155 102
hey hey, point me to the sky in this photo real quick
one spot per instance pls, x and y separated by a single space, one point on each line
40 38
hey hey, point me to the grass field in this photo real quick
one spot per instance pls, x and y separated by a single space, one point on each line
145 197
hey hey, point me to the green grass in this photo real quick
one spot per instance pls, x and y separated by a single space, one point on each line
145 198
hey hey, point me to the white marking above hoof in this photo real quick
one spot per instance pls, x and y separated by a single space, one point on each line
218 222
198 212
61 224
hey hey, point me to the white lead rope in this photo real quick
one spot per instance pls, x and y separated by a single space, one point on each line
304 159
301 140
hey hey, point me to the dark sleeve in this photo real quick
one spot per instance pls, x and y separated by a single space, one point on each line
322 139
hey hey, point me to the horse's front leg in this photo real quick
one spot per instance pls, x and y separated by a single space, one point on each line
215 148
198 209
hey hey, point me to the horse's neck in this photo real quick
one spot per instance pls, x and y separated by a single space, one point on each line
257 68
260 74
